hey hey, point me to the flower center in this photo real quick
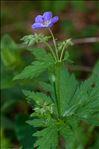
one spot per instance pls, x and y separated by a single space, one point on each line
46 22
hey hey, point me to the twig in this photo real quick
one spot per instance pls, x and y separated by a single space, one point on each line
79 68
86 40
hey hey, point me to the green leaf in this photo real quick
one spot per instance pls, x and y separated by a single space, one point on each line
33 70
85 101
9 56
37 122
39 53
46 87
33 39
74 133
37 97
36 68
92 119
43 102
8 43
64 89
24 132
47 137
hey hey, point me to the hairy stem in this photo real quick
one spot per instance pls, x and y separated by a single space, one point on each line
63 50
57 85
51 50
54 42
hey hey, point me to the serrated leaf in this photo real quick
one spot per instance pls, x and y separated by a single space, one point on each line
33 70
46 87
37 122
40 54
64 89
47 138
37 97
85 101
36 68
75 133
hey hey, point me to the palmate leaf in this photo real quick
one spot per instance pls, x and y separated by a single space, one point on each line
85 101
47 138
74 138
64 89
37 67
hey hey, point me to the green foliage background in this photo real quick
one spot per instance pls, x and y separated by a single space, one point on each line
78 19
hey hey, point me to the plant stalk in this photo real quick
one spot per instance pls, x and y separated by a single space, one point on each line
54 42
51 50
57 85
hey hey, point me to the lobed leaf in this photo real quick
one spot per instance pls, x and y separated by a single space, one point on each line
47 138
37 97
36 38
64 89
36 68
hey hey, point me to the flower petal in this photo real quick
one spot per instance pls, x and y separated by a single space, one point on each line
37 25
54 19
47 15
39 19
50 25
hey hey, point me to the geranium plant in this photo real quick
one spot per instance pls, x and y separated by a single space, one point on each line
66 104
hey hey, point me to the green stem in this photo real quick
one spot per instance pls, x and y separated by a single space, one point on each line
51 50
57 85
63 52
56 101
54 42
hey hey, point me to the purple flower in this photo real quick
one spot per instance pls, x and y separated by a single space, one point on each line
45 21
